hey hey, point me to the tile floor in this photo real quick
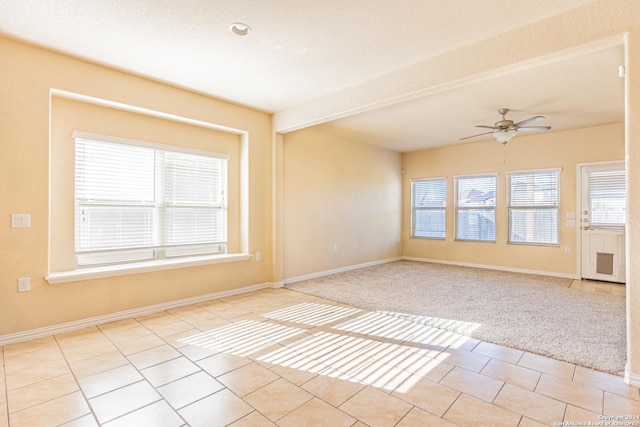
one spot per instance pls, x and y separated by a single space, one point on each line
599 287
279 358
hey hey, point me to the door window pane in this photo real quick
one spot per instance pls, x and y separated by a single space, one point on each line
607 198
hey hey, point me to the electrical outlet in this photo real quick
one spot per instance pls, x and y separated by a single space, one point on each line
24 284
335 246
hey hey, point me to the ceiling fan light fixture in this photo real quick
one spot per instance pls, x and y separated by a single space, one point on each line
504 130
504 135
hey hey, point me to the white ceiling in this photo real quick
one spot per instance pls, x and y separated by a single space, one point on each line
580 92
303 50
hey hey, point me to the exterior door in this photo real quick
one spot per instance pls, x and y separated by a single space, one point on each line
602 222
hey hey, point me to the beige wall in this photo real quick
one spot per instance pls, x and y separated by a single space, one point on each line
543 151
27 76
338 192
632 151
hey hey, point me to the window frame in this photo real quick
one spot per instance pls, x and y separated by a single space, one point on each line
550 207
159 251
458 209
414 208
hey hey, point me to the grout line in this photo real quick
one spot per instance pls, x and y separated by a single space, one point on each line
504 383
4 382
566 410
451 405
75 378
404 416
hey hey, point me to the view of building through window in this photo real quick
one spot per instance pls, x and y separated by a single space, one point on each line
476 208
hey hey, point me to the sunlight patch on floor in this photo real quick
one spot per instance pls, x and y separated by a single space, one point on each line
242 338
312 313
405 327
375 348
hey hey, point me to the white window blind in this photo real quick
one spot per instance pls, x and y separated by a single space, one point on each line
607 198
429 201
533 207
142 201
476 208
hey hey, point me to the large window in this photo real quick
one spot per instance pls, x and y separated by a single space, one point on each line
533 207
428 208
139 201
476 208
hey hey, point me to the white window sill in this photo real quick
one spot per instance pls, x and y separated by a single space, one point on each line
140 267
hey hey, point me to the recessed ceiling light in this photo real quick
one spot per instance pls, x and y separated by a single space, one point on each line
240 29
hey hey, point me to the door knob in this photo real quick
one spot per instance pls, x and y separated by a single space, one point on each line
586 227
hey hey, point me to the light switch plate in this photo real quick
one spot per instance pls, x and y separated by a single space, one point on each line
20 220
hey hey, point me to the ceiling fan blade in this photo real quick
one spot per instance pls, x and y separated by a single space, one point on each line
473 136
529 120
533 128
487 127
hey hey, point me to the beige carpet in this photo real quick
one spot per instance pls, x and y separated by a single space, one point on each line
539 314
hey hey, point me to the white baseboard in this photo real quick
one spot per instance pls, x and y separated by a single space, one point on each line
631 378
494 267
339 270
98 320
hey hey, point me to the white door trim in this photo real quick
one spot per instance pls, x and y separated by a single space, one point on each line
580 208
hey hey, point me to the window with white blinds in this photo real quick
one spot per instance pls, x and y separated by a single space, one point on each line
428 211
607 198
139 201
476 208
532 202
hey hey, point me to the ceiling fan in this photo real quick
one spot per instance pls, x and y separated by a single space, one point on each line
503 130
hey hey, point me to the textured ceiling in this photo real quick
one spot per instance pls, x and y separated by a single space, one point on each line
580 92
298 51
